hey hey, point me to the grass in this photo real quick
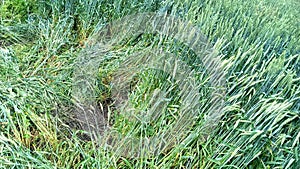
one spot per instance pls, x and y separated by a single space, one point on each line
257 41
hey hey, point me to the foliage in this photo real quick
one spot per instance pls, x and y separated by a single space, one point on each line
258 41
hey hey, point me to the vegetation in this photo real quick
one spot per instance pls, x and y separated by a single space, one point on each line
257 41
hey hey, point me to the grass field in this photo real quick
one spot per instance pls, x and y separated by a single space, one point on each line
258 46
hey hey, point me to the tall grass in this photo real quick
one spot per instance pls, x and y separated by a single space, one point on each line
259 45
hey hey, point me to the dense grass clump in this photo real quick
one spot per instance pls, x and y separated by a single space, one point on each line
258 46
